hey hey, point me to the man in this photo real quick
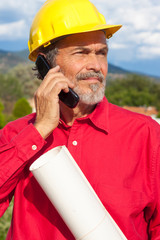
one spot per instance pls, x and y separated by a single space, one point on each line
117 150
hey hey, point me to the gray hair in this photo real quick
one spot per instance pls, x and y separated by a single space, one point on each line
50 53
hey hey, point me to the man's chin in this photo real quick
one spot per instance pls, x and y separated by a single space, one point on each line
92 96
91 99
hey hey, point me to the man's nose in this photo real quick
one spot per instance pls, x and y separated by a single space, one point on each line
93 63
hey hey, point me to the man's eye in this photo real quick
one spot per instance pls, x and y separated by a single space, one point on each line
80 52
103 53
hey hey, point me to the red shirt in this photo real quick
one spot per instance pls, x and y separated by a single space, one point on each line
117 150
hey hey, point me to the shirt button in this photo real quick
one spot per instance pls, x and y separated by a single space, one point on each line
74 143
34 147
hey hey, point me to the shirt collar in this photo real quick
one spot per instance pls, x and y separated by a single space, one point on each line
99 117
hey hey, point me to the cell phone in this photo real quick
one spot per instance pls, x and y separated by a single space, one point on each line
71 98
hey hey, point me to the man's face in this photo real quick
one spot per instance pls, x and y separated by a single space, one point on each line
83 59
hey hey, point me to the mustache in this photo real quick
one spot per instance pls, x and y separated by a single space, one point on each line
84 76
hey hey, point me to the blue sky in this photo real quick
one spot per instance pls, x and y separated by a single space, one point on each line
135 47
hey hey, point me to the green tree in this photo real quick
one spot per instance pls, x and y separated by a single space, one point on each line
5 221
26 77
1 107
10 91
21 108
134 90
2 118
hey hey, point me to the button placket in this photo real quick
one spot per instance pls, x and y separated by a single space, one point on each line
74 141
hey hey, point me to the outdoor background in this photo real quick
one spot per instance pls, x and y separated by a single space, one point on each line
133 80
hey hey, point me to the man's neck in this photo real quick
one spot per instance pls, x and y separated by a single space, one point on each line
80 111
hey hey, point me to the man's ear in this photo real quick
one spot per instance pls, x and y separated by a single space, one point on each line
41 53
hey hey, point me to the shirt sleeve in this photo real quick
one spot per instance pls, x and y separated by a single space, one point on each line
153 209
16 148
154 225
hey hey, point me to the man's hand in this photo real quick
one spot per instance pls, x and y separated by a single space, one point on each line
47 101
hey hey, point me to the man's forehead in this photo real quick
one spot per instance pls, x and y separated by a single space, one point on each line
83 39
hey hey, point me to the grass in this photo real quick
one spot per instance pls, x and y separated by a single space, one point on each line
5 221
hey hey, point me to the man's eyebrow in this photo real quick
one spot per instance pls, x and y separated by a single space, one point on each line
105 48
102 50
81 48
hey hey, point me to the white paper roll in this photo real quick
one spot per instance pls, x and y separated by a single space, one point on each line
71 194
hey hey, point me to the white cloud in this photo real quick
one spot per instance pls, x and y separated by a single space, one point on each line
27 7
13 30
141 25
149 39
18 15
146 52
115 45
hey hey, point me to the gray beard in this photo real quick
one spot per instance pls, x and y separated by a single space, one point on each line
92 97
97 89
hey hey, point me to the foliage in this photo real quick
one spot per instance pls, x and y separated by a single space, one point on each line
158 115
25 75
10 91
1 107
134 90
17 83
5 221
21 108
2 117
2 120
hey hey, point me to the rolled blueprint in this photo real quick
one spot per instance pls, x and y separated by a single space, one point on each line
72 195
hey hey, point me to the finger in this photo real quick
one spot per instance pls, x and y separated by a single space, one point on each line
58 76
52 78
52 90
54 70
51 83
58 87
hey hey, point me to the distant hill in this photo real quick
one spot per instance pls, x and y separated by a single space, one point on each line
22 54
116 70
9 60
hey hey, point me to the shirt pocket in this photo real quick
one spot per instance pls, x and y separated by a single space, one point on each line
126 206
118 197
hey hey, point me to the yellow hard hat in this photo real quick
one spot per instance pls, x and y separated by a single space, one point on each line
58 18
